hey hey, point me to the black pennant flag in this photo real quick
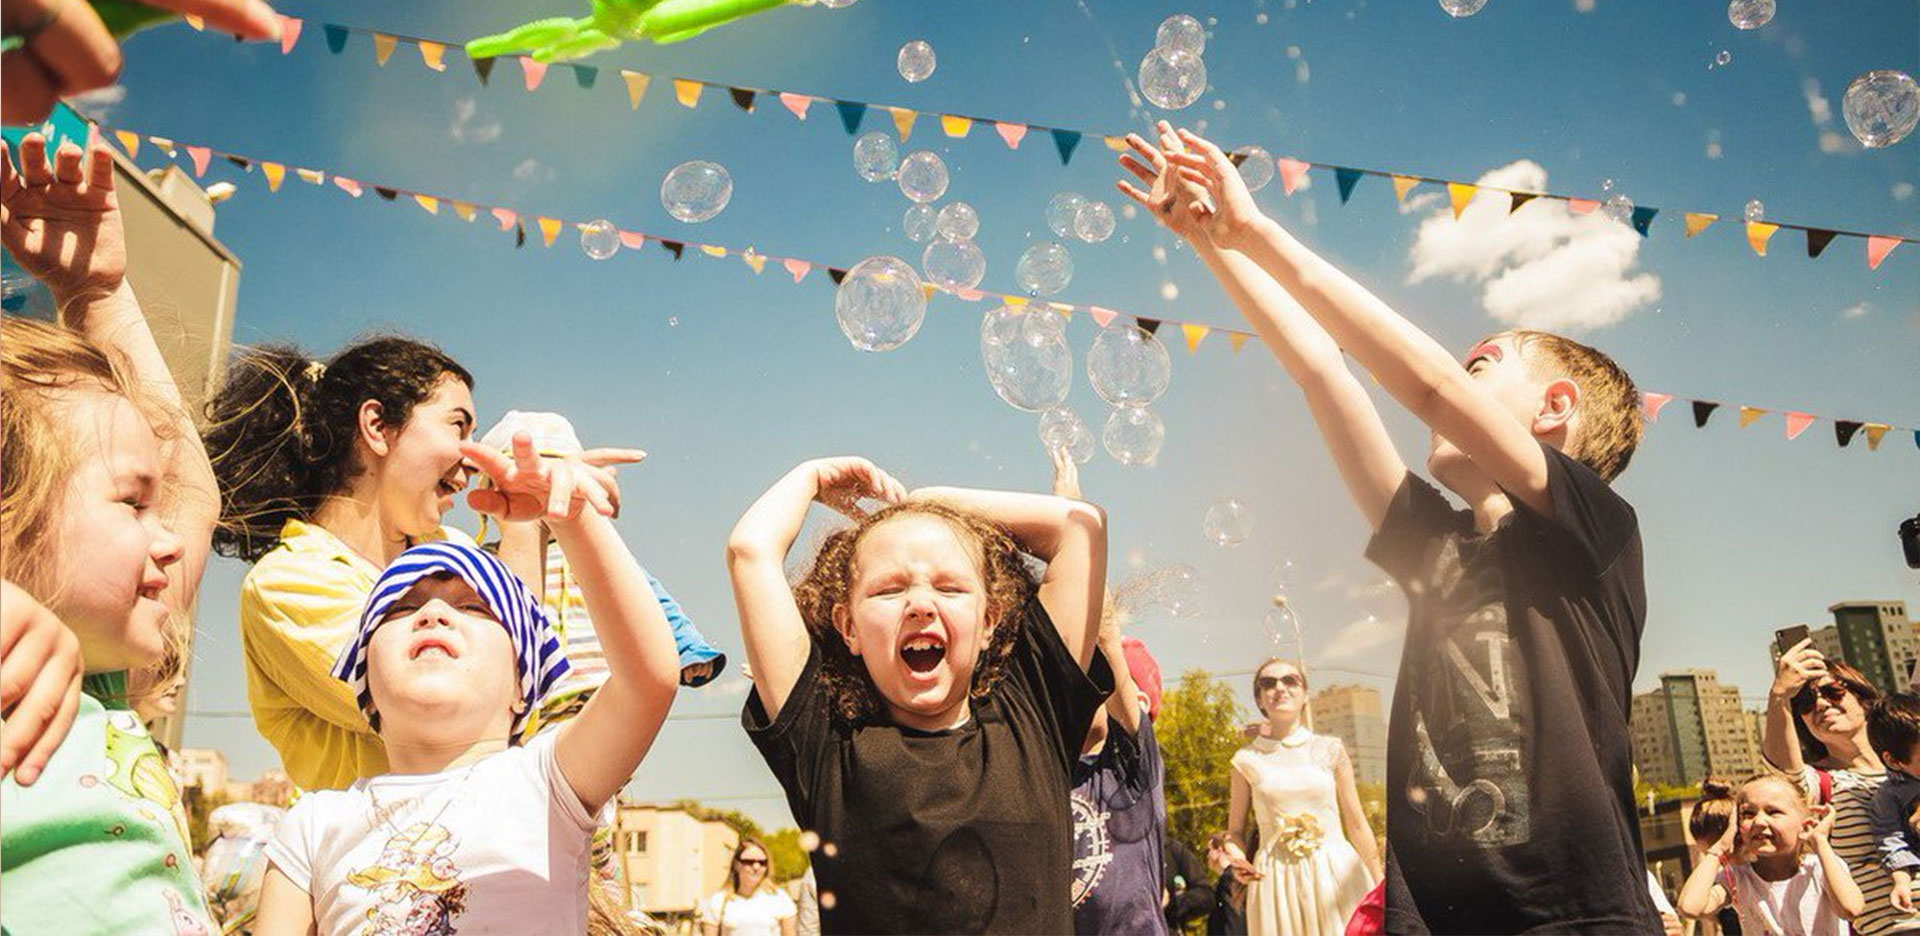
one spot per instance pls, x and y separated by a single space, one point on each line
585 76
1843 430
386 193
241 161
837 274
1346 179
336 38
1520 198
1817 241
483 67
851 113
1643 219
1065 141
1150 326
674 247
519 235
742 98
1702 411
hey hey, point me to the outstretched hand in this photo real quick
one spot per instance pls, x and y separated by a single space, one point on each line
527 486
1196 189
62 221
1066 472
842 483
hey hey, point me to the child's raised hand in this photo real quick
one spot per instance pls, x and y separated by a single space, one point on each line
1902 893
62 221
1234 210
1176 198
842 483
40 670
527 486
1066 473
1822 831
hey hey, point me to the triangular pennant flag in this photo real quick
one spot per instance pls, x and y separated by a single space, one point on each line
165 145
336 38
241 161
798 103
585 76
289 33
633 240
799 268
1195 334
348 186
1703 411
1018 302
383 48
1798 423
1643 219
1758 233
955 125
1117 143
742 98
713 250
1013 133
851 113
1239 340
687 91
434 55
677 248
1750 413
535 72
1582 206
1876 432
1102 317
1817 241
312 176
929 289
970 295
1150 326
1653 403
1066 310
428 202
1518 199
1461 193
129 141
1877 249
1345 179
1291 172
1697 222
275 174
755 259
549 229
903 121
483 67
201 155
1843 430
198 24
1065 141
464 209
1402 185
519 235
636 86
507 217
836 274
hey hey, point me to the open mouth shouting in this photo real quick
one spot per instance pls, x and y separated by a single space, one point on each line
923 653
433 644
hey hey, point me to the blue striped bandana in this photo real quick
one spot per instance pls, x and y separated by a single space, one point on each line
536 646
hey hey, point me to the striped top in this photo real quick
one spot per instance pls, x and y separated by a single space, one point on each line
1853 841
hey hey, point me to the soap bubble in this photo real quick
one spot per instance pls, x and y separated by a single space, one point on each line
1256 167
1133 435
1618 207
1044 269
921 223
916 61
998 329
1750 14
1723 58
1882 107
1283 629
1755 210
1127 366
954 263
696 191
1182 32
1031 369
1172 78
1063 211
958 220
1227 522
880 303
1180 591
923 176
1462 7
1061 428
1094 222
875 157
836 4
600 239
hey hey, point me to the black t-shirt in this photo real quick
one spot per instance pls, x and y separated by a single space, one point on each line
1509 765
957 831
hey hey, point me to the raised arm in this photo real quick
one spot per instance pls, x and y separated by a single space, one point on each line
770 622
1070 536
1702 895
1123 705
1781 743
1846 895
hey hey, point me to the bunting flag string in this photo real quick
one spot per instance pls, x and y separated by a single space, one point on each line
550 229
1066 140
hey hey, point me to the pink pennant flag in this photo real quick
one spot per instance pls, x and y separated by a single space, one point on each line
1654 402
799 268
1877 249
347 185
289 33
798 103
507 218
201 156
1102 317
1582 205
970 295
1291 172
536 71
1013 133
633 240
1798 423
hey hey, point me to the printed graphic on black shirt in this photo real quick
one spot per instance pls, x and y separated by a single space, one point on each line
1470 787
1091 843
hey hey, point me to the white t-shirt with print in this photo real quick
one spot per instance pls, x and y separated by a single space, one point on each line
759 915
497 846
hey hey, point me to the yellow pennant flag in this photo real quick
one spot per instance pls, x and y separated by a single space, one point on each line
428 202
636 86
1758 233
1402 185
755 259
929 289
434 55
1117 144
1065 310
1239 340
276 174
687 91
165 144
383 48
311 176
549 229
464 210
130 142
1750 413
1018 302
903 121
1462 193
198 24
1195 333
956 125
1699 222
713 250
1876 432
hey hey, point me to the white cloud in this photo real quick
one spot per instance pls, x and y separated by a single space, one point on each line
1817 106
1583 6
1854 311
532 170
1541 267
1367 640
469 126
1902 191
1833 141
1420 202
100 102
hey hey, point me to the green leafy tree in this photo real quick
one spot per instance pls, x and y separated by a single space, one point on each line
740 822
1199 729
789 857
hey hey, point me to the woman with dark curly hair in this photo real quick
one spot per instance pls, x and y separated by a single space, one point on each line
921 698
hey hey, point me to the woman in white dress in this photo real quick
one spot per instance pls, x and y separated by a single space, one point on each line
1317 859
751 904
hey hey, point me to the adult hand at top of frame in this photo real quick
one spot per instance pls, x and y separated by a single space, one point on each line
61 221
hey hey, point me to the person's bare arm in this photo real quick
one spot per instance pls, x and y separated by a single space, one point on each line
1353 816
1780 743
285 909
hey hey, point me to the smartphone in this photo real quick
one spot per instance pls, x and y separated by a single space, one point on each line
1786 637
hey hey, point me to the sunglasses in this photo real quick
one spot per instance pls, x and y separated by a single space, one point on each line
754 862
1834 693
1269 683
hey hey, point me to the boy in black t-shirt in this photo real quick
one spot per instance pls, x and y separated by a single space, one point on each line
1510 805
921 698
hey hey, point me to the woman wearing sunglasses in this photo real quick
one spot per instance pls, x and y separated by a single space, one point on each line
1817 732
751 904
1317 857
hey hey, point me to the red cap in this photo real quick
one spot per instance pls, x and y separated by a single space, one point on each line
1145 670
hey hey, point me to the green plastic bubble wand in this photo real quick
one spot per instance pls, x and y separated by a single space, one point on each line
614 22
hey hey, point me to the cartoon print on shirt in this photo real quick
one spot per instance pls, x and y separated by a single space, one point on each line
418 884
1090 839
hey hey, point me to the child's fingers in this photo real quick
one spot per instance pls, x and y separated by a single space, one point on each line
1146 151
100 170
37 710
1126 188
26 657
1139 169
1206 147
51 735
560 495
601 457
33 160
488 501
526 459
490 461
9 179
596 494
66 164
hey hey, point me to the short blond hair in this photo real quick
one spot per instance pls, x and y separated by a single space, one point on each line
1611 419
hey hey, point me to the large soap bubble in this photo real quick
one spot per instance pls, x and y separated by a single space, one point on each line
696 191
1033 369
954 263
916 61
1618 207
599 239
1062 428
998 329
958 220
920 222
875 157
1227 522
1182 32
1750 14
1172 78
1256 166
1462 7
1094 222
923 176
1127 366
1062 212
1044 269
880 303
1882 107
1133 435
1754 211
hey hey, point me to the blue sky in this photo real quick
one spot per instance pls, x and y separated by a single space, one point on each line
728 379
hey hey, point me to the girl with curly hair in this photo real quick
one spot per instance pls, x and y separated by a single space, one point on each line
921 698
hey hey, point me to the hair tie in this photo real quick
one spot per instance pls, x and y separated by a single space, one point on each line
316 370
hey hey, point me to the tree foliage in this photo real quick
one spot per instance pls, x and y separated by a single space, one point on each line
1199 729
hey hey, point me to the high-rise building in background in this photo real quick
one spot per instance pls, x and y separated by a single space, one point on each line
1354 715
1692 727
